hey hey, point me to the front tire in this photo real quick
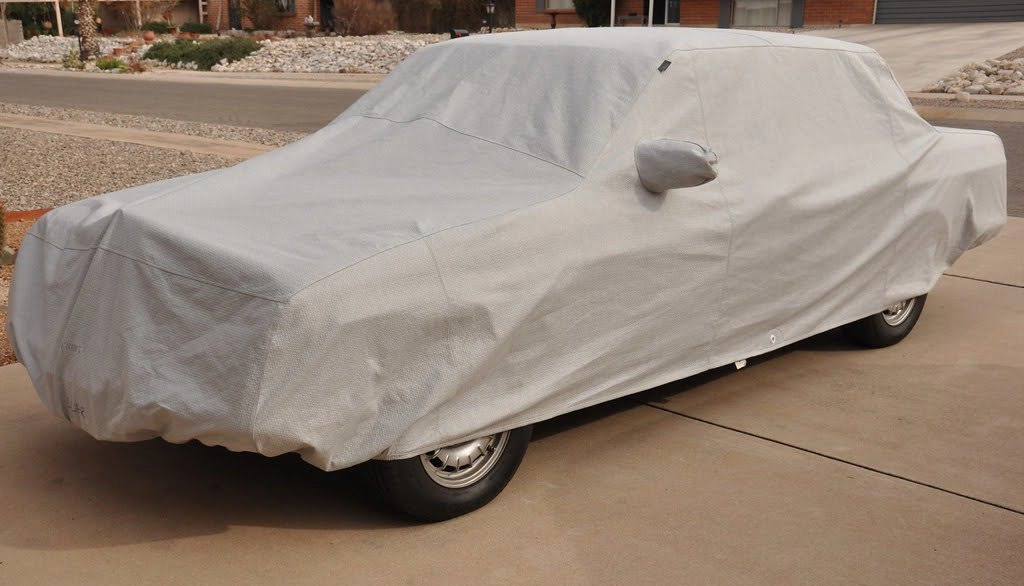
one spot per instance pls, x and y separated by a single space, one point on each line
887 327
450 481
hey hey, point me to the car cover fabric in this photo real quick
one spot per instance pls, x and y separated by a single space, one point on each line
468 248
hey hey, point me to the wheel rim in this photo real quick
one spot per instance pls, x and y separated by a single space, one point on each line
898 313
460 465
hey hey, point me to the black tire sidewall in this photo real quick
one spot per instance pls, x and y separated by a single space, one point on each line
874 332
407 486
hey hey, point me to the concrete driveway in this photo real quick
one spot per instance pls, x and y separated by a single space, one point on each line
819 464
920 54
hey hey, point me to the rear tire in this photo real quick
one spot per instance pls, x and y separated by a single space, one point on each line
887 327
450 481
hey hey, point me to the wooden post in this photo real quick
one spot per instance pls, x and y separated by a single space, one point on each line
60 21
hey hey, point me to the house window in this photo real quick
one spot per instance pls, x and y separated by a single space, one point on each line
285 6
561 4
762 13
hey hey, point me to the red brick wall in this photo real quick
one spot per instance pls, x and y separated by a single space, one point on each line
698 13
832 11
705 12
528 17
285 22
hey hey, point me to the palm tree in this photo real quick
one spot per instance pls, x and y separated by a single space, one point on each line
85 16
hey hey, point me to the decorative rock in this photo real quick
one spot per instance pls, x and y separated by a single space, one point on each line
372 54
963 97
994 76
1017 90
47 49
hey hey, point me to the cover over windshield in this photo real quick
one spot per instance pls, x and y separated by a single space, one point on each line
556 98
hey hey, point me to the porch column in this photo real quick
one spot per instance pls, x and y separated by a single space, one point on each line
613 13
3 21
60 21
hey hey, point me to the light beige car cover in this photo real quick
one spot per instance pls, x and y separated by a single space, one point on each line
469 247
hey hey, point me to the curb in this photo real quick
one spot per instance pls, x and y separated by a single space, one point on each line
24 215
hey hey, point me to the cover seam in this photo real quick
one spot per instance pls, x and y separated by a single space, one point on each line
466 134
161 269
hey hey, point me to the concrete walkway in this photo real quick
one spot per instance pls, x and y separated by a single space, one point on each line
920 54
182 142
819 464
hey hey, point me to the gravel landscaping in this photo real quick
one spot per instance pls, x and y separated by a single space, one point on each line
370 54
46 170
993 77
47 49
218 131
373 54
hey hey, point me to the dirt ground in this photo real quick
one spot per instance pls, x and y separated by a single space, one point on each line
15 232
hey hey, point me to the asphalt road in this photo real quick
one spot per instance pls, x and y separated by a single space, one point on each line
303 109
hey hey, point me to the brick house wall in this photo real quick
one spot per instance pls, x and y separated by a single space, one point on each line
706 12
698 12
832 11
219 8
527 15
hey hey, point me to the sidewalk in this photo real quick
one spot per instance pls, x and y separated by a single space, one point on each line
182 142
920 54
819 464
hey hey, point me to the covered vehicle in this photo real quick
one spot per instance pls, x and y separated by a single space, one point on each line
507 228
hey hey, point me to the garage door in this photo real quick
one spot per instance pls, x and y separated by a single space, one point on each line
913 11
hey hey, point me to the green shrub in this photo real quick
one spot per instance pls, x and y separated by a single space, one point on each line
201 28
108 62
205 54
72 60
157 26
594 12
169 52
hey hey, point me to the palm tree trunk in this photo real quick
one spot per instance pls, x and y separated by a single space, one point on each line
86 17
